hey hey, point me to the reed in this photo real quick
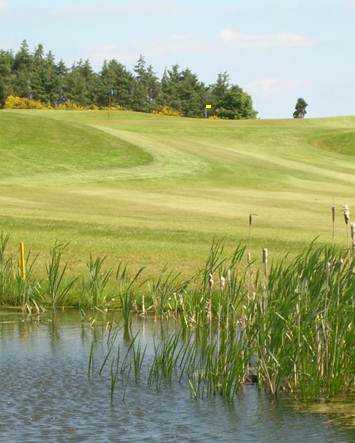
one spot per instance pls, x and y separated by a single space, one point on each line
353 237
333 222
57 288
291 332
287 323
94 287
346 213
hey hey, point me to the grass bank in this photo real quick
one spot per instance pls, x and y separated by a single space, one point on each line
155 190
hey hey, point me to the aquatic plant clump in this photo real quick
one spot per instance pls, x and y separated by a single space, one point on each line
286 323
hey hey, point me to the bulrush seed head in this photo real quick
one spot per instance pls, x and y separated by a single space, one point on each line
265 255
210 281
223 283
333 213
353 235
346 212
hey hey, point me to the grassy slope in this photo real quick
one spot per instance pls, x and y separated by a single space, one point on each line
156 190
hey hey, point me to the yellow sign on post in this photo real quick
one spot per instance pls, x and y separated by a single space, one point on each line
208 106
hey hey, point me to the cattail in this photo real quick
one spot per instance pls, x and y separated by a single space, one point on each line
346 212
353 236
210 281
223 283
265 256
251 218
333 220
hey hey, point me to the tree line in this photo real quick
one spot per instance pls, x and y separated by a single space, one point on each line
37 75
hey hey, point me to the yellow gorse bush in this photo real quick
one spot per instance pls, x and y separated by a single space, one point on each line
167 110
69 106
13 102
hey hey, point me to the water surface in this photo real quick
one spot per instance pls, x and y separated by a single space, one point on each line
46 395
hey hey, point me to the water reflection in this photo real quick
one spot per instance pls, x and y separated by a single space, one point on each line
46 394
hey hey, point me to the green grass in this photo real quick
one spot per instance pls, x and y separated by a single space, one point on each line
156 190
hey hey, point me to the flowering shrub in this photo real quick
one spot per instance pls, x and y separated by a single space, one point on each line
166 110
70 106
13 102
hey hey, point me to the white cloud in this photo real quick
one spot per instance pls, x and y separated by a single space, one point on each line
272 86
288 40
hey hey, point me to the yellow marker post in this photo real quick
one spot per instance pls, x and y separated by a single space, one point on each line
22 261
207 106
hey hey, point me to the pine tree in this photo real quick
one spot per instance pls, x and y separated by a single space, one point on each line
182 91
2 93
116 78
230 101
37 75
300 109
6 62
145 87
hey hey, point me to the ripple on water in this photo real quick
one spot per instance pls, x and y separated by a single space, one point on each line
47 396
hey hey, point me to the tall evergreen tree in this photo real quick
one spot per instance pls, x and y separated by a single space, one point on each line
2 93
145 87
116 78
6 76
37 75
230 101
182 91
22 68
81 84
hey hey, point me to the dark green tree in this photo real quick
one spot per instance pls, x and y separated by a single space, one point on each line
6 76
183 91
22 69
37 75
82 84
114 76
145 87
2 93
230 101
300 109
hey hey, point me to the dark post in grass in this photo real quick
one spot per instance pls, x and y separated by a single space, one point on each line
111 93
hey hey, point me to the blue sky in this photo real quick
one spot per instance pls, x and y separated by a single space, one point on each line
277 50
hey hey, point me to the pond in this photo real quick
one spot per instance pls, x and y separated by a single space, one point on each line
47 395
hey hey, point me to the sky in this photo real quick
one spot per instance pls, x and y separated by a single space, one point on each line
277 50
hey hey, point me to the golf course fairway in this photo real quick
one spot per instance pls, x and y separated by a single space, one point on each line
155 191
